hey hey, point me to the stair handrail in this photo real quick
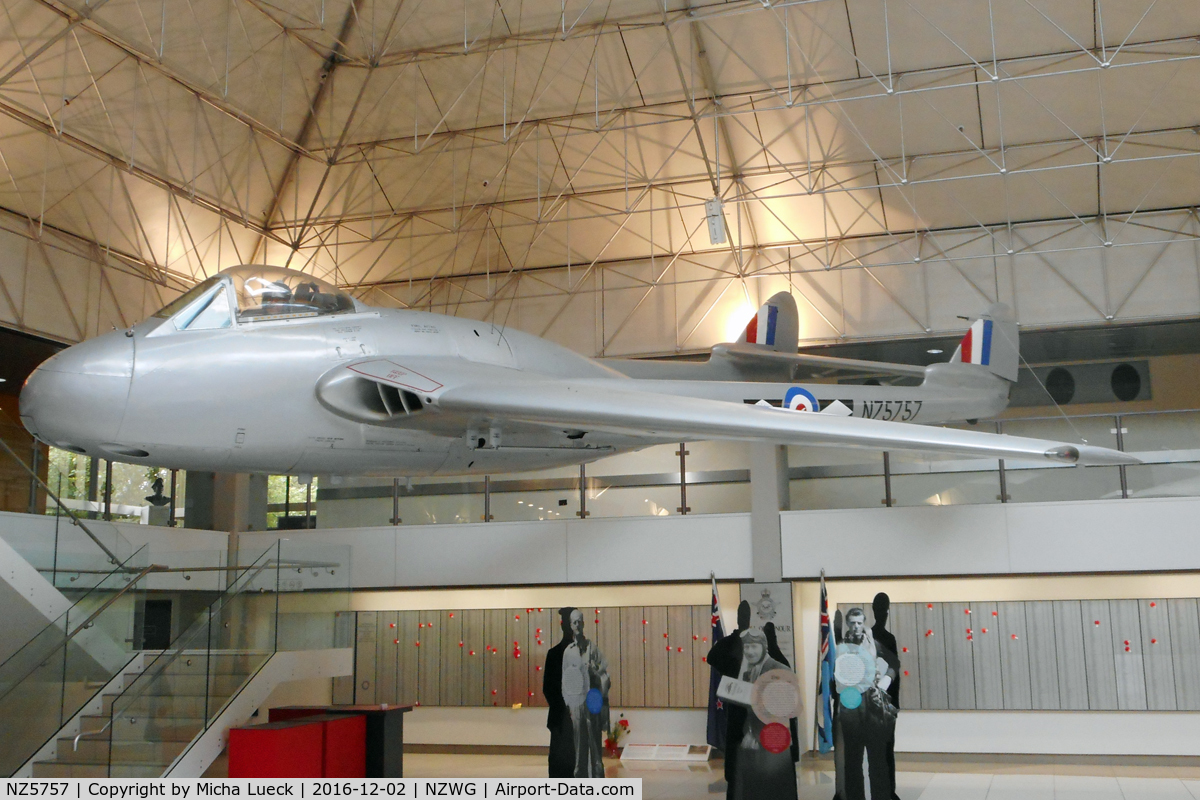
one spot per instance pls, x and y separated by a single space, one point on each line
164 660
65 616
179 651
112 557
116 596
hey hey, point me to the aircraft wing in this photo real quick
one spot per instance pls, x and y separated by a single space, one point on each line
602 406
827 365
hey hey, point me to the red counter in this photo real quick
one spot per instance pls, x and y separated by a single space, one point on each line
385 733
321 746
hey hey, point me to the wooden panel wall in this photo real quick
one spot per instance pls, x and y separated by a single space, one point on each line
985 648
1095 655
1156 647
1014 655
485 657
1044 664
1012 646
1185 652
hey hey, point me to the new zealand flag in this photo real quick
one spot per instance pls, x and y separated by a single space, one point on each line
824 700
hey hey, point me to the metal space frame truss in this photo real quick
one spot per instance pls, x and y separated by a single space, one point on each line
881 159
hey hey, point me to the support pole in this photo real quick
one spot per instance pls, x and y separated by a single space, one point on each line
308 506
287 495
768 496
487 498
174 487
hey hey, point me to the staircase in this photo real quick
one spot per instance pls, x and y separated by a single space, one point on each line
78 699
153 728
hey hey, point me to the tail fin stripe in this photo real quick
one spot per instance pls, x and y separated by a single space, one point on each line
986 349
775 325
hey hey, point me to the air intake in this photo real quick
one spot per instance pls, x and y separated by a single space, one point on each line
398 402
350 395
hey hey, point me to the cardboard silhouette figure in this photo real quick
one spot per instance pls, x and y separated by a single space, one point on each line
576 684
865 720
751 769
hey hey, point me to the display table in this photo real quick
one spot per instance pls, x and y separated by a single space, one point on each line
385 733
311 746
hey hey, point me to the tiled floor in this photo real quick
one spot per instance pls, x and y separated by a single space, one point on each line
917 780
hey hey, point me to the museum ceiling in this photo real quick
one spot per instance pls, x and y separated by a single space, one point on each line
545 163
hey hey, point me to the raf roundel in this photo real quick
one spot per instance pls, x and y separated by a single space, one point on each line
798 399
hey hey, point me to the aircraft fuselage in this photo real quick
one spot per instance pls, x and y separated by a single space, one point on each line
244 399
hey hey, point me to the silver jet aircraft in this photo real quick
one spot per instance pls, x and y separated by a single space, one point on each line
262 369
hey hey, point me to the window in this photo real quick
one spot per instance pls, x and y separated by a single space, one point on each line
209 313
187 298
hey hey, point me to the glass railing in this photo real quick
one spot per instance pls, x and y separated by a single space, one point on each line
181 692
65 664
72 552
1167 442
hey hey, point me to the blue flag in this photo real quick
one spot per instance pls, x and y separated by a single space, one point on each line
716 708
824 700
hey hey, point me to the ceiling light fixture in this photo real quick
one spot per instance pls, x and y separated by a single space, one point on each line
933 351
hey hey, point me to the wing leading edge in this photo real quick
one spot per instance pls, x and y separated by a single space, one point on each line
601 406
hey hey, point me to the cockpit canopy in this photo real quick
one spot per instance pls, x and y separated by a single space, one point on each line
255 293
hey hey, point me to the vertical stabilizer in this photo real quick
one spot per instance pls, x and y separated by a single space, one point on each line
776 326
991 342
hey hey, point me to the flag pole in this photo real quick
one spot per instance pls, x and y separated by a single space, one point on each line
820 703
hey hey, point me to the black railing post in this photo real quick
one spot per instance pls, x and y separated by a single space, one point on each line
683 453
107 491
395 501
1120 432
887 479
582 512
174 487
487 498
1003 498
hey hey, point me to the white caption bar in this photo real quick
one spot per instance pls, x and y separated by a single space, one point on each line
306 788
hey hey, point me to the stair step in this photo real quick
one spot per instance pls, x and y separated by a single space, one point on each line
199 664
188 684
61 769
145 728
96 750
165 704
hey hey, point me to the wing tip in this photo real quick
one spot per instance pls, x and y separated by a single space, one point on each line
1090 456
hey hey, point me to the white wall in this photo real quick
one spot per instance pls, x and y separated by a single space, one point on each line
526 727
515 553
1023 538
1049 732
175 547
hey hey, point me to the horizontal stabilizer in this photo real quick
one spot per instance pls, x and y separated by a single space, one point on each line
746 354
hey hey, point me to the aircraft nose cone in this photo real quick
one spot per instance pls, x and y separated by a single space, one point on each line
76 399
